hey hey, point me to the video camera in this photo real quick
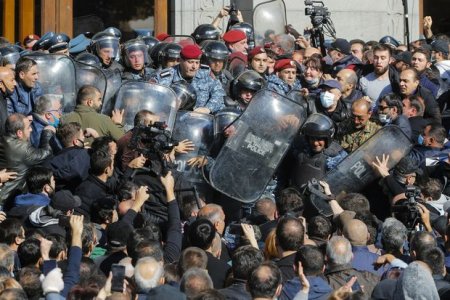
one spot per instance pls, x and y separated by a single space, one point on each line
317 11
407 212
153 141
232 11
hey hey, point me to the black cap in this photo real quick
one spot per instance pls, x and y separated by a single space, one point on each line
64 200
404 56
341 45
440 46
117 234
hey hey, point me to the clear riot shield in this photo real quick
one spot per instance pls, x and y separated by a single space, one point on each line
298 97
57 77
181 40
90 75
356 171
134 96
268 17
199 129
113 83
250 156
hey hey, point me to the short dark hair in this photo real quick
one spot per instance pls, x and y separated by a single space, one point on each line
423 51
58 245
14 293
101 143
438 132
67 132
9 230
150 232
355 202
202 233
416 102
192 257
393 100
290 233
127 190
290 201
264 280
312 260
319 227
210 294
29 280
102 210
435 259
85 92
29 252
420 241
14 123
140 116
24 64
382 47
431 187
37 177
245 260
187 206
87 237
100 160
148 248
314 62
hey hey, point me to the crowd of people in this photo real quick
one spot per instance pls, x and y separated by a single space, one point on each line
92 211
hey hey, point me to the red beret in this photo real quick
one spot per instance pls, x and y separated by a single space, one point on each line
191 52
234 36
30 38
257 50
284 64
162 36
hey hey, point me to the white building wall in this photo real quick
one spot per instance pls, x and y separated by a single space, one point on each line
363 19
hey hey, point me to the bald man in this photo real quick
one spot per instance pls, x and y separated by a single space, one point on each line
349 82
358 235
7 85
354 131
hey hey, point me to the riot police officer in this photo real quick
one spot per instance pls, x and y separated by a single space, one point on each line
215 55
209 92
135 58
315 152
285 78
205 32
169 55
59 44
244 87
106 47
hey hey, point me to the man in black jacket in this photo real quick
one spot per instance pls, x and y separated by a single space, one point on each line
17 154
7 84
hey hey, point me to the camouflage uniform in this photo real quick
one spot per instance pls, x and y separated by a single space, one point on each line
224 77
351 138
209 91
276 84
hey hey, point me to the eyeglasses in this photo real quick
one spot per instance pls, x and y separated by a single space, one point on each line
381 107
55 110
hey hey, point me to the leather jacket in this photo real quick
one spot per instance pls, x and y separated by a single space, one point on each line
18 156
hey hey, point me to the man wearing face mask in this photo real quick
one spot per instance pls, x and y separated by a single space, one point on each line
433 144
330 102
285 78
390 111
7 85
47 111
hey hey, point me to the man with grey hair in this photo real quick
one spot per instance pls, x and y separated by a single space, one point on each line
339 269
393 235
195 281
148 274
6 258
47 111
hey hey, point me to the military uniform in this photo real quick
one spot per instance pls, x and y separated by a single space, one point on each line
224 77
208 89
276 84
351 138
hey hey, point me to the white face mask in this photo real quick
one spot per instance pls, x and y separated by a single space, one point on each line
327 99
384 118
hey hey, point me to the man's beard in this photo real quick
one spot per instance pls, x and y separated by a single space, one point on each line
382 71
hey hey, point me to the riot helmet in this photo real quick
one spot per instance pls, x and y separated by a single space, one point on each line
114 31
43 42
8 55
155 53
135 54
389 41
249 32
105 46
319 126
186 96
215 50
205 32
150 42
170 52
247 80
59 43
88 59
79 44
